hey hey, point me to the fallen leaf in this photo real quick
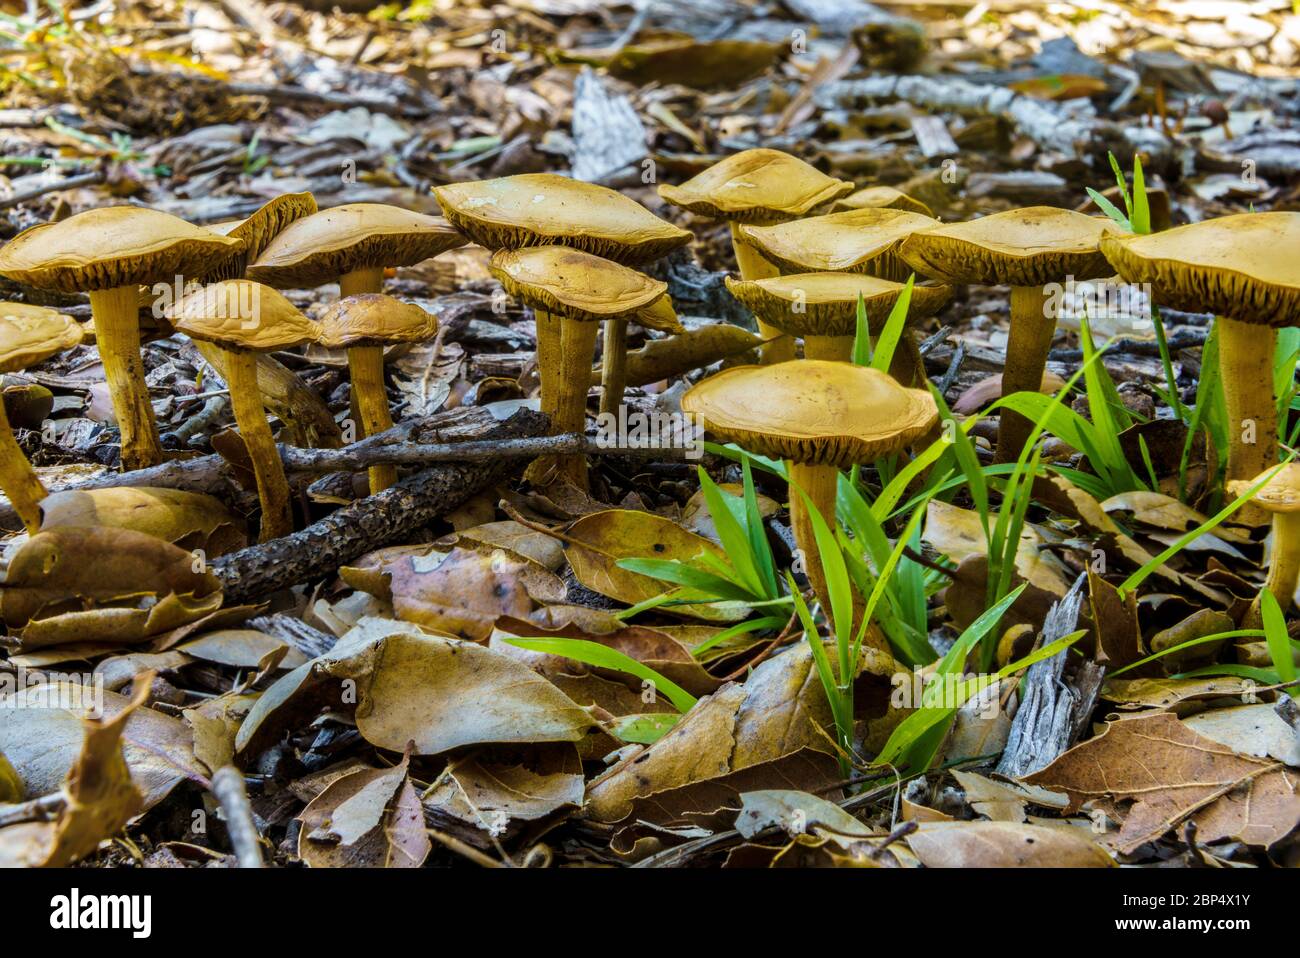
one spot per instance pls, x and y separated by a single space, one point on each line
1004 845
367 819
189 520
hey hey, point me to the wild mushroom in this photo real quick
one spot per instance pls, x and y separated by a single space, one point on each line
881 198
581 289
28 335
757 186
244 318
1025 249
1242 268
660 316
821 417
545 209
258 231
108 254
822 308
351 245
362 325
1280 497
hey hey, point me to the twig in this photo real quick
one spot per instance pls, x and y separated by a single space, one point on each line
71 183
228 788
42 809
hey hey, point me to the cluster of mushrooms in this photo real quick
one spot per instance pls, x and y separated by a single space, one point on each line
808 248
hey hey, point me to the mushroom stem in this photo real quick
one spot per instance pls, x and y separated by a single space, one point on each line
366 367
548 357
1246 369
117 334
752 265
1284 563
18 479
613 365
368 279
577 349
250 416
820 484
1028 343
833 348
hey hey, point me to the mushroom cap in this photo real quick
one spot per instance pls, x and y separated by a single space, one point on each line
372 319
30 334
541 209
1279 494
826 304
323 246
259 229
1242 266
856 241
659 315
881 198
574 284
242 315
813 411
756 186
1033 246
112 247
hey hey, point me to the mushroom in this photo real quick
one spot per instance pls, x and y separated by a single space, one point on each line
757 186
108 254
28 335
245 318
1243 268
1025 249
1279 497
362 325
580 289
819 416
257 231
823 307
351 245
545 209
881 198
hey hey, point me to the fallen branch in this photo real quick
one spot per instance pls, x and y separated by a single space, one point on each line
228 788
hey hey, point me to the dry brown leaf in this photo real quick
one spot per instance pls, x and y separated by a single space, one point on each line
1004 845
366 819
189 520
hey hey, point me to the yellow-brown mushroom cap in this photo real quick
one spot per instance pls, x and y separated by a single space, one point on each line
857 241
543 209
756 186
1279 494
1027 247
242 315
323 246
813 411
30 334
574 284
826 304
113 247
372 319
1245 266
259 229
659 315
881 198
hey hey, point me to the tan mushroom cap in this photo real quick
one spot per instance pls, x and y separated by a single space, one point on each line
30 334
756 186
826 304
372 319
1242 266
259 229
541 209
1027 247
813 411
659 315
242 315
323 246
857 241
574 284
1279 494
113 247
881 198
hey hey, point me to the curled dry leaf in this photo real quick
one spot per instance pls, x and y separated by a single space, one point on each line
545 550
1170 693
240 648
102 584
797 813
1005 845
696 518
615 534
406 686
366 819
189 520
1164 772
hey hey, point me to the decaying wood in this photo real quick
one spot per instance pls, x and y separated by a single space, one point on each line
1046 722
368 523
